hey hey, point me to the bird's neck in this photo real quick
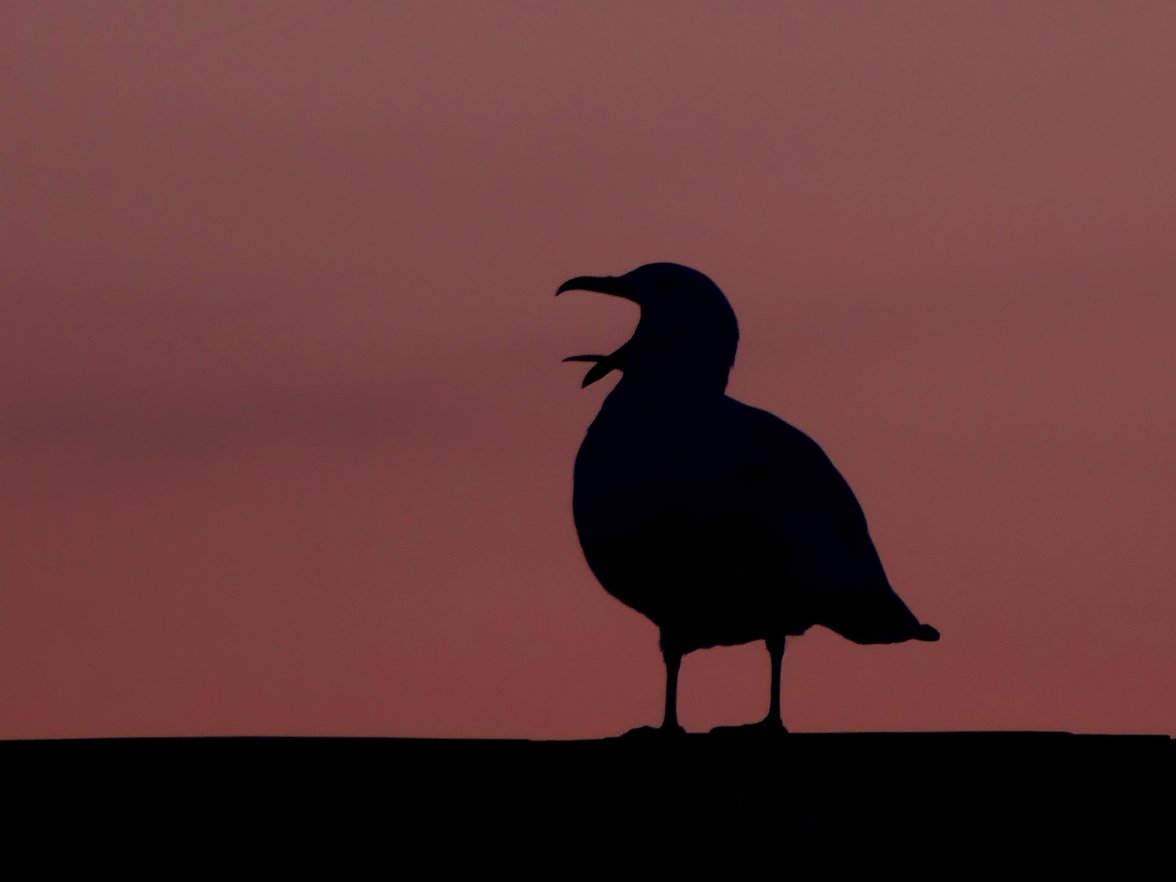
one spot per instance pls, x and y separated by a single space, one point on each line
653 399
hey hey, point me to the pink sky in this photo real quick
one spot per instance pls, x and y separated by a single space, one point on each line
286 444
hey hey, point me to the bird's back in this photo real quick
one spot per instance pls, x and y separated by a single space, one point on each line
724 524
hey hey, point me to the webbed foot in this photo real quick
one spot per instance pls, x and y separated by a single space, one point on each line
651 732
768 727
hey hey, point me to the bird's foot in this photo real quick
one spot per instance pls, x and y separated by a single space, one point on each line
651 732
768 727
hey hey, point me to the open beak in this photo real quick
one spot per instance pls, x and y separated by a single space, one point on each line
602 365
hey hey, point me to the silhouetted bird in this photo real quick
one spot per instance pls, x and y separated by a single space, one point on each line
719 522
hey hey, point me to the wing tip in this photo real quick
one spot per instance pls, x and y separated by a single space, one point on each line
926 633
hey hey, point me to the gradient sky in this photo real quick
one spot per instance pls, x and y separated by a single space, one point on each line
286 443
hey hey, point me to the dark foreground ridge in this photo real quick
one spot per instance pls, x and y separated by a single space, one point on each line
964 785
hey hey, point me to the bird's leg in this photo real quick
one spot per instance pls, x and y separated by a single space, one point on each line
670 725
776 652
673 660
672 656
771 725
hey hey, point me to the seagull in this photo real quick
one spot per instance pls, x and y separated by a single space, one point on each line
719 522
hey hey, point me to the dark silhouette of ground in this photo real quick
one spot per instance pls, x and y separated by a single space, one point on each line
666 798
719 522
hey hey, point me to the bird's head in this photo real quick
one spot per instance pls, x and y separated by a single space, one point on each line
687 334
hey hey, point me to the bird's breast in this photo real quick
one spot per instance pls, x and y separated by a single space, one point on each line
622 481
635 467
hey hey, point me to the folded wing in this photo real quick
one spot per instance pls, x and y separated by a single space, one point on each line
770 495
